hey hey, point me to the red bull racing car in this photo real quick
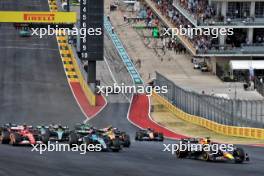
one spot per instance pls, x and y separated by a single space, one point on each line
204 149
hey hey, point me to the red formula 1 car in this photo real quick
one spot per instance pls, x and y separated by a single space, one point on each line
19 135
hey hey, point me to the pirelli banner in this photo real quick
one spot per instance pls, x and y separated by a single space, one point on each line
37 17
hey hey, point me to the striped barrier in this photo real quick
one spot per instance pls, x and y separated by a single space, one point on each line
122 53
70 64
255 133
88 92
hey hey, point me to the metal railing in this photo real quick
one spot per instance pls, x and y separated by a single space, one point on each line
259 87
235 112
217 20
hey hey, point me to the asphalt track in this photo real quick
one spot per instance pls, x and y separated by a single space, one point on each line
34 90
33 84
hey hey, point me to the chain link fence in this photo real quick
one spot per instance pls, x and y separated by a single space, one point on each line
244 113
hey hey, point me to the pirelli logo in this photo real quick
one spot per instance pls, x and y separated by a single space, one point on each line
39 17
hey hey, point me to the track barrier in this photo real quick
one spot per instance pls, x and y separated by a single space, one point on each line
70 63
247 132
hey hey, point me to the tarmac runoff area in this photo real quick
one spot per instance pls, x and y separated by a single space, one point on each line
176 67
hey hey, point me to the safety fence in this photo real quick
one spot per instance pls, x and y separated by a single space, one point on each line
234 112
255 133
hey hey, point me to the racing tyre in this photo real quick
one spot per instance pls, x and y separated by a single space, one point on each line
205 156
116 145
73 139
45 136
15 139
126 139
239 155
181 154
5 137
139 137
107 140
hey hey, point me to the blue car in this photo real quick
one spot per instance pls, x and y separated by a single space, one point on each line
55 133
95 138
25 32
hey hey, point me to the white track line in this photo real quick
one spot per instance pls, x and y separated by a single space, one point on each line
129 100
113 77
111 73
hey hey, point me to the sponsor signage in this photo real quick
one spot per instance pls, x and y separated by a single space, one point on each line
37 17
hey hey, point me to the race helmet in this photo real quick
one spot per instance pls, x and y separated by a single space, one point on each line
205 140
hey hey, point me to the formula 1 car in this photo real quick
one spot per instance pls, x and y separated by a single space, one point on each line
114 133
19 135
149 135
25 32
204 149
106 142
54 133
83 128
93 136
80 131
124 138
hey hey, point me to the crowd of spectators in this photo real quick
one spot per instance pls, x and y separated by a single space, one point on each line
199 9
200 42
202 10
259 39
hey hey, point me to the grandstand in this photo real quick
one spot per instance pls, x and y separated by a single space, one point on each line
246 18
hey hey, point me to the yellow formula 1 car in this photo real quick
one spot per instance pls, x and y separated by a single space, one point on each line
114 133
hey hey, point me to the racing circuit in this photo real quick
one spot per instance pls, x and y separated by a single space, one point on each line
34 90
